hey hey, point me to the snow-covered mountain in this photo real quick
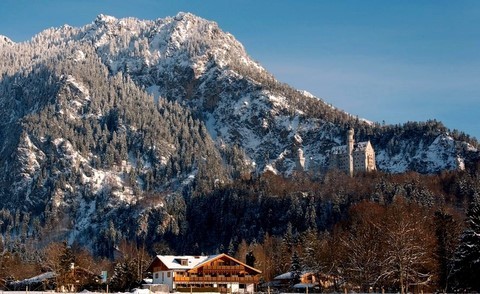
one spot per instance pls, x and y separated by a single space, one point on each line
191 60
134 113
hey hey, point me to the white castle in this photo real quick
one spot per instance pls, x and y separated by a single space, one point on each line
353 157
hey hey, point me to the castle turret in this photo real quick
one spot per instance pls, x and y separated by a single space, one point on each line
297 147
300 162
350 144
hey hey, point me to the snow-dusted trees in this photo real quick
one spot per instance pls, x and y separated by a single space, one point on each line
58 258
295 268
409 245
363 246
389 245
267 256
129 267
448 228
467 260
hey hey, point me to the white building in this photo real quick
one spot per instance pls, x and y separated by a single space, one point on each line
353 157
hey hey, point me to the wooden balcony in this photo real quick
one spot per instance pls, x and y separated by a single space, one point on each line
216 279
223 268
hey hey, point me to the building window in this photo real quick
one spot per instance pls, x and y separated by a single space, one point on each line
156 275
168 274
163 277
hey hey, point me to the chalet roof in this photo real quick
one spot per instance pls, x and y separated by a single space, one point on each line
229 257
174 262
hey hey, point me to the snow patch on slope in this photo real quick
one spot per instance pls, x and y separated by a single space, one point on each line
97 180
29 159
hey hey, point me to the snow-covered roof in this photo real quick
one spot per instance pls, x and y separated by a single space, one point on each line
360 146
37 279
174 262
289 275
339 149
304 285
284 276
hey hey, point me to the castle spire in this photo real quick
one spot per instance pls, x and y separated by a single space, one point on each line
350 144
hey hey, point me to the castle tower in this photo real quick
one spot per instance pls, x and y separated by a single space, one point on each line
300 160
299 157
350 144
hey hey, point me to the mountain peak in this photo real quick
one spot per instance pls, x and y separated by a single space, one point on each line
153 41
5 40
103 19
185 15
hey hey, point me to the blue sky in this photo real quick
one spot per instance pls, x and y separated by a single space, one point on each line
392 61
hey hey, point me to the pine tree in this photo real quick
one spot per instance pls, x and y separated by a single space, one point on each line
289 238
467 261
117 282
310 244
311 215
250 259
447 231
287 246
295 268
67 265
231 248
124 276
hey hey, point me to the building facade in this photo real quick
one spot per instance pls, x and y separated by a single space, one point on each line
197 273
353 157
